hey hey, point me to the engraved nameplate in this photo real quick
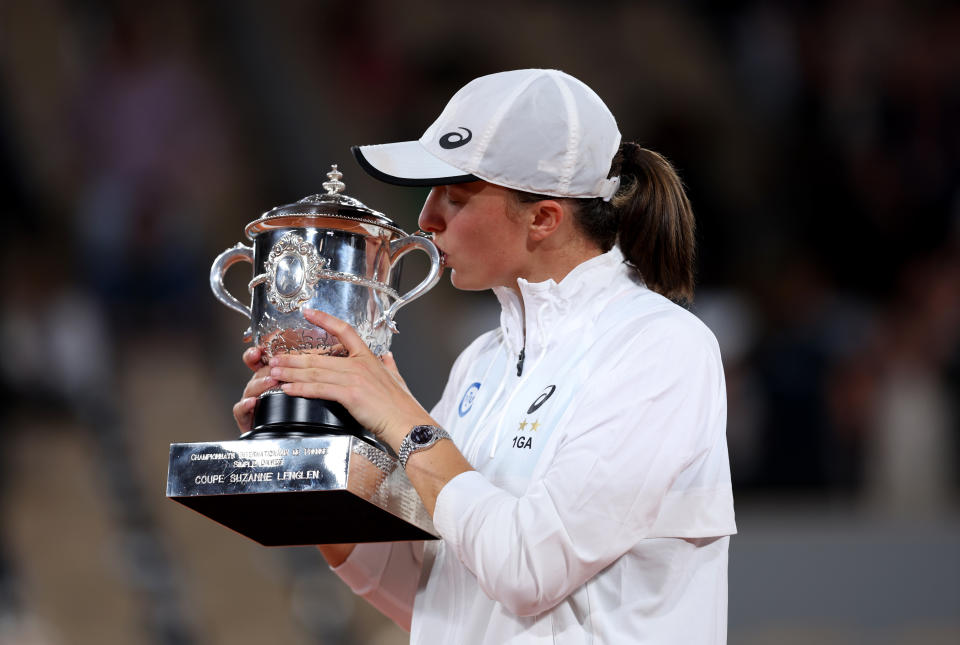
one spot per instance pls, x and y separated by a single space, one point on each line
302 490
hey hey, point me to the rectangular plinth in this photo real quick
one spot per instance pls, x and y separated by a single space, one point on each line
298 491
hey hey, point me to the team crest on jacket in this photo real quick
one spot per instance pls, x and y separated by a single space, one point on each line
468 397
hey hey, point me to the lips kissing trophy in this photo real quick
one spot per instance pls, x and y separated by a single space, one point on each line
307 472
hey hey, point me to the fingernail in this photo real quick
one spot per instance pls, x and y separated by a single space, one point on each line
275 372
274 361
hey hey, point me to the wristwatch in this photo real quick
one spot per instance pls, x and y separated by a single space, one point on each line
420 438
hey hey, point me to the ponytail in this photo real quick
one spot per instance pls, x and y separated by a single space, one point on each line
656 228
650 217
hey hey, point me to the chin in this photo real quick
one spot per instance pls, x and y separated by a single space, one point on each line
465 284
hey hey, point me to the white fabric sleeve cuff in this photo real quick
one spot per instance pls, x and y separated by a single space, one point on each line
454 502
363 569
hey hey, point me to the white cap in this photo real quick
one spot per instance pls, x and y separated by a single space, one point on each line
536 130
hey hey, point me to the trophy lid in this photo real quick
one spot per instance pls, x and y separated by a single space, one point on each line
331 204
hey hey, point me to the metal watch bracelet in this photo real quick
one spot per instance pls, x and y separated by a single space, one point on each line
420 438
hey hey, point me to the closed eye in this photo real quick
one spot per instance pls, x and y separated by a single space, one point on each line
454 196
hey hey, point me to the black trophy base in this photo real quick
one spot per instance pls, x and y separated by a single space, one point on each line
304 518
297 491
276 410
281 416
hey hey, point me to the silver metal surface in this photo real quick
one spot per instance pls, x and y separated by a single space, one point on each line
326 252
224 261
332 253
333 185
304 490
293 270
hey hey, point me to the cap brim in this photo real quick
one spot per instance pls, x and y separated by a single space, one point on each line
407 164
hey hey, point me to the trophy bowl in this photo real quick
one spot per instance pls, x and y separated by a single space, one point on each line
326 252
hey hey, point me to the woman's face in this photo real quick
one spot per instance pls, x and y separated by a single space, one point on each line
481 232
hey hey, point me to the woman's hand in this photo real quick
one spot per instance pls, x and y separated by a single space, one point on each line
369 388
260 382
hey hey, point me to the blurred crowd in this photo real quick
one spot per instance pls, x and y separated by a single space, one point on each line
820 142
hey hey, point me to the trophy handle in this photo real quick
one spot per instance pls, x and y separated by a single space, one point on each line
224 261
399 248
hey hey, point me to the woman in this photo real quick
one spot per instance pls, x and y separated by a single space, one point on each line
576 466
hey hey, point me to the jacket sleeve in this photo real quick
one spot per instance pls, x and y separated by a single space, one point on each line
651 420
386 575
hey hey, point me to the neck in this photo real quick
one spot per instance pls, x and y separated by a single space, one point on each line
556 263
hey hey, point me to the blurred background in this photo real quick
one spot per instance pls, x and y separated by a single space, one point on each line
820 142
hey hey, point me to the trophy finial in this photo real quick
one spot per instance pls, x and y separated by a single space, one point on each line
334 185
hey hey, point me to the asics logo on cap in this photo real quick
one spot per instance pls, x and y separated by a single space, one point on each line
452 140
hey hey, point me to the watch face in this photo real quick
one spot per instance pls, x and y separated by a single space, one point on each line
421 434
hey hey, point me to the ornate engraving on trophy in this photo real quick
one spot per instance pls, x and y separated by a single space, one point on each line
293 268
299 337
294 337
375 335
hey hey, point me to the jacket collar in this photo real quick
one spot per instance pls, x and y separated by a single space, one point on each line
542 310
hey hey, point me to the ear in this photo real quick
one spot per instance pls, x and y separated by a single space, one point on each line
546 217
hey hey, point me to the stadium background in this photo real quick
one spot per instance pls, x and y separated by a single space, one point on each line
820 142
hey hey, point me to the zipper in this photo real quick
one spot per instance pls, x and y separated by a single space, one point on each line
523 354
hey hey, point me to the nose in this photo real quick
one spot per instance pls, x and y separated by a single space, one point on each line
431 216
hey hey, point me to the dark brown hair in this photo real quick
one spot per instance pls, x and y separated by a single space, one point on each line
650 217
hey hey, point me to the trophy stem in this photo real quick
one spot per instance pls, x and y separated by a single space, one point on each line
279 416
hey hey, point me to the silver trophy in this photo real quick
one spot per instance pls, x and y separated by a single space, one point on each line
327 252
310 463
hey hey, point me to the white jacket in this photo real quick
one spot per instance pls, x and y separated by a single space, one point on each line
601 500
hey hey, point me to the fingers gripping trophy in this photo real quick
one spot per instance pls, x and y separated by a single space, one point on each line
307 472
